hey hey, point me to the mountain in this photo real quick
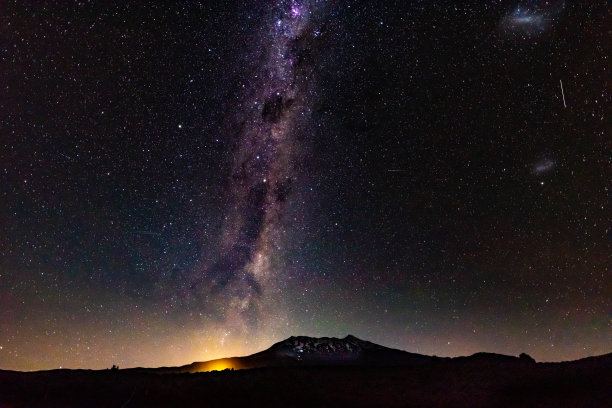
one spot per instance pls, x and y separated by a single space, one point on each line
309 351
348 350
300 351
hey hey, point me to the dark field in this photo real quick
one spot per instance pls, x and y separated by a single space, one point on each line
442 384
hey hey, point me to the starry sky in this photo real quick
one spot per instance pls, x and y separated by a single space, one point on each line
200 179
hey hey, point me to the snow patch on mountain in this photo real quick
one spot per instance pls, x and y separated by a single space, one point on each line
302 347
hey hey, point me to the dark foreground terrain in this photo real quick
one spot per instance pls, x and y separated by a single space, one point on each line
468 382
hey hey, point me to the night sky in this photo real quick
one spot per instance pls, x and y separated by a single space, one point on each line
182 181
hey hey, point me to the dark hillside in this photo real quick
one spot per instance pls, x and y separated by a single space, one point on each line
468 382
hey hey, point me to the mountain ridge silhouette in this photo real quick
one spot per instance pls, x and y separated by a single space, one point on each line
303 351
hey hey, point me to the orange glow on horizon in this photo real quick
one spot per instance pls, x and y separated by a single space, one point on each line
217 365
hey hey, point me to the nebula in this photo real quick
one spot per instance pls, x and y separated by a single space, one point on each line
531 18
543 166
244 280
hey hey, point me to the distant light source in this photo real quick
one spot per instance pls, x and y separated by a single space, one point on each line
217 365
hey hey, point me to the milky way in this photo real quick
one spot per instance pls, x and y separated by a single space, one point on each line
246 275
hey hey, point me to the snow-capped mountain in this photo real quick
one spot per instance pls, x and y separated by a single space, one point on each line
300 351
303 348
305 351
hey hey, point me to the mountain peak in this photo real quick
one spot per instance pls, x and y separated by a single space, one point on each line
301 341
322 349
